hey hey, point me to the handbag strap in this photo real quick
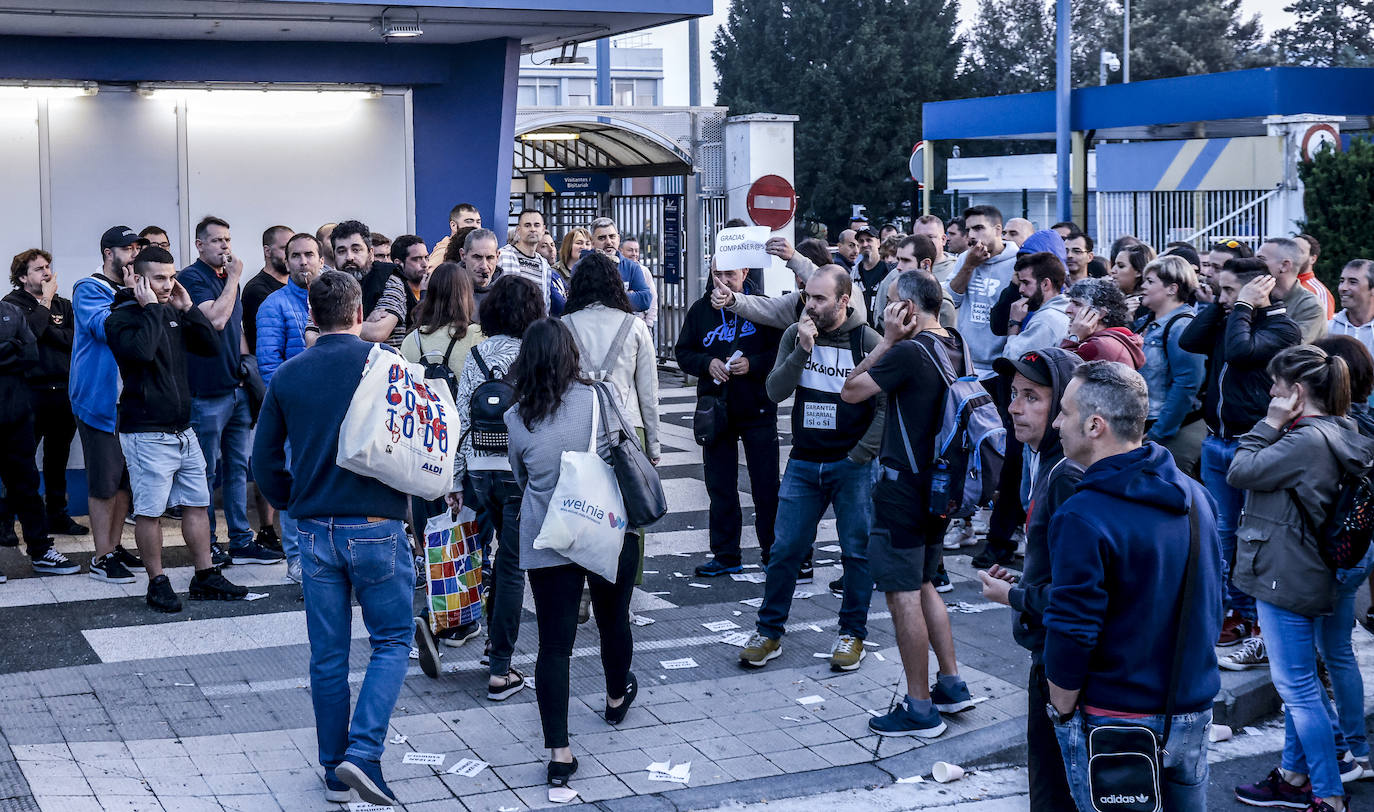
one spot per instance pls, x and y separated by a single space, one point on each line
617 344
596 423
481 365
1185 598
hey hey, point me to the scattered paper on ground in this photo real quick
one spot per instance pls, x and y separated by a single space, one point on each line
821 655
749 577
811 700
754 602
674 665
467 766
915 779
803 595
720 626
640 620
432 759
562 795
255 596
964 607
813 627
397 739
880 656
751 566
740 639
651 572
666 771
699 586
364 806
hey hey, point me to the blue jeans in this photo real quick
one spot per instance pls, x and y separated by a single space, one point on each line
1333 641
1183 775
1217 454
342 557
808 488
1308 744
225 430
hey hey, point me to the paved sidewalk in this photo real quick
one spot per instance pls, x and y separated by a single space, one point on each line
105 705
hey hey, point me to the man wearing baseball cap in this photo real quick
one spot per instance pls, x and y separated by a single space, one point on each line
1038 381
869 269
94 389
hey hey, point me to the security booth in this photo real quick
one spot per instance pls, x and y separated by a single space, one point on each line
1192 159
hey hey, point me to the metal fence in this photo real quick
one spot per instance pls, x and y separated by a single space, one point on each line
1160 218
641 217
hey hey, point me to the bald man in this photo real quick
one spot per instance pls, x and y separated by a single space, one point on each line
1017 230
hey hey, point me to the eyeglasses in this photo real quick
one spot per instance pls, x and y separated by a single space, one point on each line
1077 251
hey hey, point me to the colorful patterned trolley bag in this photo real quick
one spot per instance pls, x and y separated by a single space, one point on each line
453 554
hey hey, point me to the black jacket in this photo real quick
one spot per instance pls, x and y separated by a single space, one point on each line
150 345
18 354
1238 347
374 284
708 333
53 327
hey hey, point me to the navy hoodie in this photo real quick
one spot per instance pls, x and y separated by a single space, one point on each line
1117 553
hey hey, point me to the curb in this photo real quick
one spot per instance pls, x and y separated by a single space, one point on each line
1244 698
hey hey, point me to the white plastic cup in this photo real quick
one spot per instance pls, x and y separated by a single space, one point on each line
944 772
1219 733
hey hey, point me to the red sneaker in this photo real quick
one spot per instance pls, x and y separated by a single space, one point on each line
1234 629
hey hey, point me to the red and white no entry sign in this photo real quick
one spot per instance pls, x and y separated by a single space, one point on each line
771 201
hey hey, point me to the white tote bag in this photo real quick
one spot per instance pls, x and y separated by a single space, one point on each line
585 522
400 429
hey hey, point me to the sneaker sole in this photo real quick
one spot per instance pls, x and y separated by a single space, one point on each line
429 655
1273 804
216 596
854 667
1240 666
166 610
72 570
338 796
945 588
930 733
718 573
808 579
352 775
99 576
956 707
772 655
458 642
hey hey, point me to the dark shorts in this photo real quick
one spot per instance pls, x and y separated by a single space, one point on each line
106 473
904 548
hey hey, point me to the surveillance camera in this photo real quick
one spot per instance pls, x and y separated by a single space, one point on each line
1111 60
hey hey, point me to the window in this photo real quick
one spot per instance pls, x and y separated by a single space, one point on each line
646 92
540 92
623 91
579 92
524 94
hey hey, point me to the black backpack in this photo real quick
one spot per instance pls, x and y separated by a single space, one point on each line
1344 538
440 370
487 411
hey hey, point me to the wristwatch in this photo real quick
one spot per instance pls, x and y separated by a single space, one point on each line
1056 717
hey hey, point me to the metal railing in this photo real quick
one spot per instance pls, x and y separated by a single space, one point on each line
1160 218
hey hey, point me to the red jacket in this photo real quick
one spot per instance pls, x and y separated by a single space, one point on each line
1110 344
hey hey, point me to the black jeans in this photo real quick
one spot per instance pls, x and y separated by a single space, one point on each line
20 477
1007 511
495 494
1049 786
721 462
55 426
557 591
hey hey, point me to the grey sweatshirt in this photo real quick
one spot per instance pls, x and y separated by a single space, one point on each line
975 306
1048 326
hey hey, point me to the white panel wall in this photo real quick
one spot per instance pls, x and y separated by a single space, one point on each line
19 205
112 162
300 160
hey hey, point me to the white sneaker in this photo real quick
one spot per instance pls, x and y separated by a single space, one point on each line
293 570
959 534
981 520
1249 654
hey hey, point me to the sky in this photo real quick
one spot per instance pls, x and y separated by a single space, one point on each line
673 40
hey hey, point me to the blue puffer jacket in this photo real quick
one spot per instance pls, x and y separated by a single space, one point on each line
281 328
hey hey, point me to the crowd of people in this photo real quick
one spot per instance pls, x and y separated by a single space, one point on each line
1175 432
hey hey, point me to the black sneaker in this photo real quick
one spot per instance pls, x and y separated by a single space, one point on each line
941 581
837 585
131 562
713 569
267 537
456 636
107 568
254 553
161 596
219 556
51 562
807 573
64 526
213 586
424 643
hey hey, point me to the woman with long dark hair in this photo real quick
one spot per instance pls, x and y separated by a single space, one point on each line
554 415
444 319
1291 465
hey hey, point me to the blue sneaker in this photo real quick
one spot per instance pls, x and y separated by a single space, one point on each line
955 701
714 568
366 778
901 721
336 791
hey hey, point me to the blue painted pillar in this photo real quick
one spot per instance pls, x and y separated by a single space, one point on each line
603 72
1063 73
456 160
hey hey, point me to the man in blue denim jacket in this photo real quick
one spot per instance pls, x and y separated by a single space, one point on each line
1119 548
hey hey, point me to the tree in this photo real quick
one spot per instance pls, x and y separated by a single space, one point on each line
1339 202
856 73
1333 33
1183 37
1011 47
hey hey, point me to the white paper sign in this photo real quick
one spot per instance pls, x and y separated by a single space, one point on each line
720 626
811 700
674 665
749 577
739 639
666 771
562 795
433 759
757 603
742 248
467 766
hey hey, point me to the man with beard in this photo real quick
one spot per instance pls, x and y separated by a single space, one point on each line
869 268
409 253
265 282
481 255
94 390
833 447
385 297
1037 319
1038 381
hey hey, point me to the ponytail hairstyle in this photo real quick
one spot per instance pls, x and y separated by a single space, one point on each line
1325 378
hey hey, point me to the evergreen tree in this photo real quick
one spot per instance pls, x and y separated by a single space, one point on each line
1011 47
1334 33
856 73
1338 199
1182 37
